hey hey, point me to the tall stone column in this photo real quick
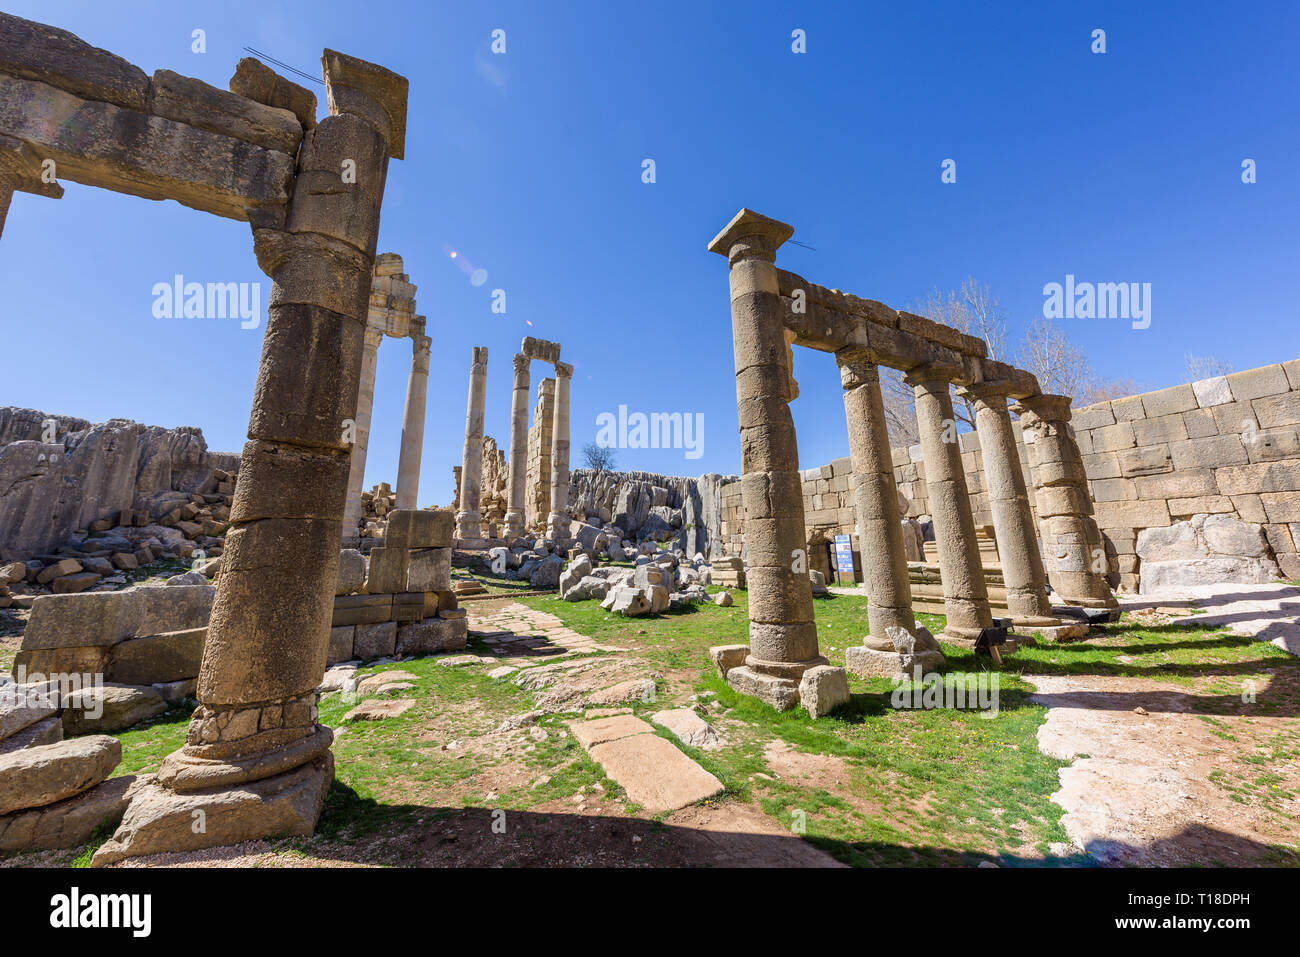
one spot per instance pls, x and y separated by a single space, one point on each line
1013 521
408 464
559 523
469 524
256 760
361 432
965 595
515 510
880 532
1076 558
782 630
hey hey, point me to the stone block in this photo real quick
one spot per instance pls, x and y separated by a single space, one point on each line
869 663
34 777
1128 409
361 609
654 773
1281 506
389 568
82 620
1277 411
35 51
1102 465
1249 507
1271 446
1258 383
195 103
822 689
780 693
109 708
169 608
432 636
155 659
429 570
1161 430
375 640
352 572
1212 452
1259 477
1176 485
1212 392
420 528
1113 490
1092 417
1200 423
726 657
408 606
1179 398
1207 505
341 643
1136 514
1112 438
70 822
1147 461
1237 418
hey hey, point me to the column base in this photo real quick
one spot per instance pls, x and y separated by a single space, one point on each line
784 669
870 663
160 820
469 525
781 693
1057 634
558 526
514 525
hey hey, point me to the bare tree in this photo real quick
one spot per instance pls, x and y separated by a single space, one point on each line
599 458
1063 369
972 310
1205 367
900 409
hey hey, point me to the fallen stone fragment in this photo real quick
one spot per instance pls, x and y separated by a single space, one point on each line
70 822
689 727
378 710
34 777
109 708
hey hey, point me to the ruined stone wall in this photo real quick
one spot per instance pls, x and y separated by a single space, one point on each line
1157 463
537 487
92 472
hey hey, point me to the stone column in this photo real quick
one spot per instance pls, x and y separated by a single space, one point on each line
965 595
361 432
880 532
782 631
256 760
558 524
515 513
1076 558
469 525
408 465
1013 521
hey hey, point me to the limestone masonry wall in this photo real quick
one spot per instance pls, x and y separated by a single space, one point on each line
1199 478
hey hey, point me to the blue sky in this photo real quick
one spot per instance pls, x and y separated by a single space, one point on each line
1124 166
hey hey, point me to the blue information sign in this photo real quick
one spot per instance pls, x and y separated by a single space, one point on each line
843 555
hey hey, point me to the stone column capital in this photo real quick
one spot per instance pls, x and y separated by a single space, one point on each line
933 372
372 337
1047 408
522 362
563 370
750 235
991 392
478 364
370 91
858 366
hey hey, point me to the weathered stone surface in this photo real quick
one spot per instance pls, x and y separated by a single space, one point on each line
361 609
1207 549
376 640
429 570
127 151
195 103
655 774
379 709
352 572
70 822
156 659
255 80
726 657
161 820
432 635
870 663
689 727
822 689
780 693
420 528
601 729
34 777
389 568
45 731
21 707
341 643
36 51
109 708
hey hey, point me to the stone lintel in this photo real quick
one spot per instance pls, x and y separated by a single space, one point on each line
541 349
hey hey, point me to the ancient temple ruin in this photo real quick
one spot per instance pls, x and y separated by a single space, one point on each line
772 310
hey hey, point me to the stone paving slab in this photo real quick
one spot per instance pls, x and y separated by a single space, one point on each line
600 730
1268 612
654 773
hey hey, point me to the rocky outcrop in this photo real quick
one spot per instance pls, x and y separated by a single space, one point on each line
60 474
648 506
